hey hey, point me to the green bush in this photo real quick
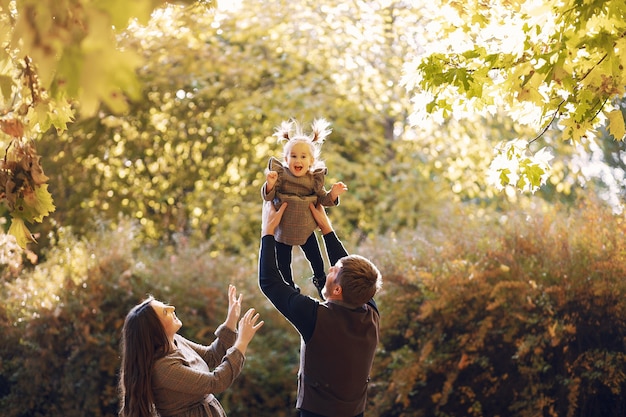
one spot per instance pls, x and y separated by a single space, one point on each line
499 314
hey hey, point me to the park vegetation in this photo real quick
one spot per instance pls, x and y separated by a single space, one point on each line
508 314
135 141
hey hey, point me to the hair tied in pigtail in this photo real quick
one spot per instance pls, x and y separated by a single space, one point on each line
283 132
320 131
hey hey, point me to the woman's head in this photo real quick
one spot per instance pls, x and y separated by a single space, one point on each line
143 329
167 316
144 340
301 152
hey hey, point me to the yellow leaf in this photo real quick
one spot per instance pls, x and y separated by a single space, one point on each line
106 74
529 94
6 84
20 231
34 206
616 124
620 45
574 130
529 91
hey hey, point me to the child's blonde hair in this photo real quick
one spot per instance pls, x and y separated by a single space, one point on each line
291 133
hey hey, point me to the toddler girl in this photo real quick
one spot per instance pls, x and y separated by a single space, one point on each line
298 181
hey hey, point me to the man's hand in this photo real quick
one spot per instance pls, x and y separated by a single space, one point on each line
271 218
321 218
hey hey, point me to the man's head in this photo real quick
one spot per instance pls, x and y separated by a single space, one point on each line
353 280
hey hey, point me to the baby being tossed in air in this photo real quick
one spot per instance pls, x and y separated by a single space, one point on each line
299 181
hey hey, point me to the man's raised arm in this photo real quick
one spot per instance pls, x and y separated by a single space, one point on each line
334 247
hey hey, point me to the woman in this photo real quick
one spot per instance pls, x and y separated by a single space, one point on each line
164 374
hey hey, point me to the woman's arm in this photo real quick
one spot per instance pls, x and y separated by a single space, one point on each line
173 374
214 353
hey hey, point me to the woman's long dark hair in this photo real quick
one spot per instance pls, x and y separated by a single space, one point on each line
143 342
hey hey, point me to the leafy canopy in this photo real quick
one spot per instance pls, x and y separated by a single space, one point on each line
189 157
548 64
57 53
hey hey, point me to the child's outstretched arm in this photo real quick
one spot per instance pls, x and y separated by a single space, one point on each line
337 189
270 181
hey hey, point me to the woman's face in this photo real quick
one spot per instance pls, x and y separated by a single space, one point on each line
167 316
299 159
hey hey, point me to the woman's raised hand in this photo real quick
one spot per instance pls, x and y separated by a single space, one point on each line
234 307
248 326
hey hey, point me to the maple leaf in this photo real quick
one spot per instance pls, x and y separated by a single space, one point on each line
12 127
36 171
21 233
35 204
572 129
616 124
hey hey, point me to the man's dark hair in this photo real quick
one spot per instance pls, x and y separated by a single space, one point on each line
359 279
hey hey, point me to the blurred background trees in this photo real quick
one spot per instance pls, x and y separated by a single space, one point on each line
153 125
186 151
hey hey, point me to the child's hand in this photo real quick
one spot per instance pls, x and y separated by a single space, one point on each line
270 180
337 189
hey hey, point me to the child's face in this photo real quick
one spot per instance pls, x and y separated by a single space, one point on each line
299 159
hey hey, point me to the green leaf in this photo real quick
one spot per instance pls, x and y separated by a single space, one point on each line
532 172
61 113
504 176
70 65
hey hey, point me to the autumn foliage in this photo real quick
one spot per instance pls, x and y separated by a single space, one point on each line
523 319
516 312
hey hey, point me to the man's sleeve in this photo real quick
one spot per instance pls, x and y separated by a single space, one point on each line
299 309
334 247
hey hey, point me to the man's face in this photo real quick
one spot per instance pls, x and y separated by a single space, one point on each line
332 289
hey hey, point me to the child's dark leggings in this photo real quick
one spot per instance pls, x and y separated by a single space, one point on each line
312 253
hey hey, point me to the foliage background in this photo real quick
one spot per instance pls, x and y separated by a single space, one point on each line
494 304
526 318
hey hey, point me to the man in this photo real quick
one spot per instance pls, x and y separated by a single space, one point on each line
338 336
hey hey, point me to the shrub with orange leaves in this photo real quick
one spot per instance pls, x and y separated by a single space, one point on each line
515 314
520 315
